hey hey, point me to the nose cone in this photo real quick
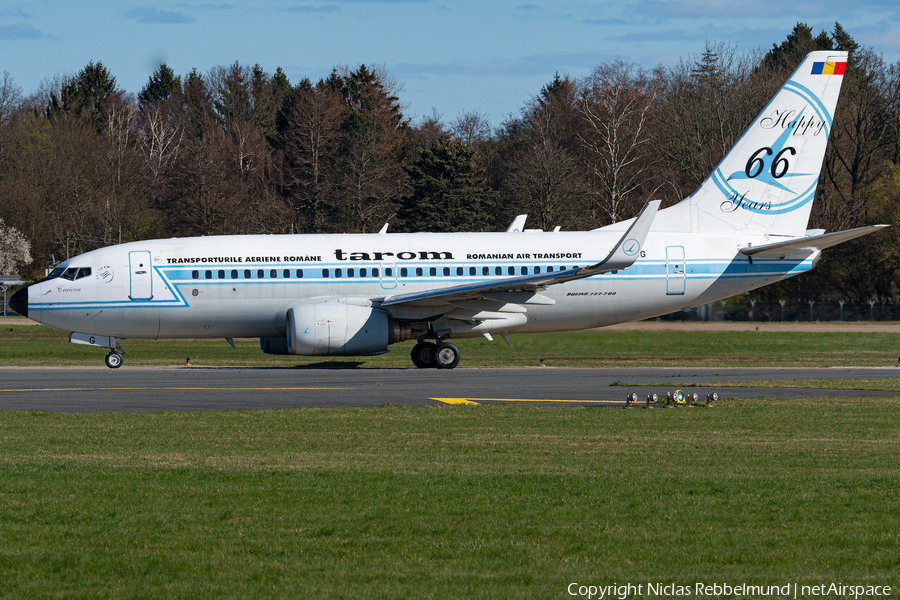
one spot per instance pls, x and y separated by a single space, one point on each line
19 301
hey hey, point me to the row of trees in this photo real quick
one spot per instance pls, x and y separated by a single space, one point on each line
85 164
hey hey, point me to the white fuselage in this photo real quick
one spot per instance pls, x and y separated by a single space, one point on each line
242 286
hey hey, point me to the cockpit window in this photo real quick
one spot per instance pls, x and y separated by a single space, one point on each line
56 272
72 273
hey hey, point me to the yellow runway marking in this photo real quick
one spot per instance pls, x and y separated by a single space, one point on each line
475 401
135 389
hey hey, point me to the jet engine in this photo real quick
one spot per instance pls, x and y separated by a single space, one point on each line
337 328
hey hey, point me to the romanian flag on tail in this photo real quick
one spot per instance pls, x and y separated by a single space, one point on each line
828 68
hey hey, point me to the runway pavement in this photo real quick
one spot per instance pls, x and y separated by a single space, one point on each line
148 389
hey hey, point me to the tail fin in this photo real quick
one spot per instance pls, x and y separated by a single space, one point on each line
766 182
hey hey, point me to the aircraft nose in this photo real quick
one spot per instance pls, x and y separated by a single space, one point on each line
19 301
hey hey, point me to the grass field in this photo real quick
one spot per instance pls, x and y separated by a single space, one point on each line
455 501
37 345
448 502
885 384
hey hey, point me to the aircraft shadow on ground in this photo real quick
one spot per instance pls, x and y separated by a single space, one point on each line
332 364
328 364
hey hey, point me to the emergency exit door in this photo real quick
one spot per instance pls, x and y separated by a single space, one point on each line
675 270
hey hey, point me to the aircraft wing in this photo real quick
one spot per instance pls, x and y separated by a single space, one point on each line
623 255
808 245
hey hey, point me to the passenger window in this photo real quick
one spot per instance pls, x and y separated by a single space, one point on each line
472 271
524 270
273 273
485 271
447 271
498 270
387 272
234 274
195 274
325 273
221 273
549 269
459 271
432 272
338 272
286 273
403 272
248 274
349 272
362 272
537 270
418 271
260 274
511 270
208 274
299 273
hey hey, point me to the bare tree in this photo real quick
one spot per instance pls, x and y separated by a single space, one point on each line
617 101
471 128
160 137
311 143
705 104
430 128
862 137
10 97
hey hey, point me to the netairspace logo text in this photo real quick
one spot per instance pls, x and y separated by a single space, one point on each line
671 590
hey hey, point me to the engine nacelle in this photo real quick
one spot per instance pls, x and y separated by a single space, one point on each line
336 328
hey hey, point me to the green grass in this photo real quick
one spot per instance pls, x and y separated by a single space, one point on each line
887 384
37 345
447 502
455 502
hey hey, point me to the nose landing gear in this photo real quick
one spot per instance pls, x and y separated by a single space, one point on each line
114 359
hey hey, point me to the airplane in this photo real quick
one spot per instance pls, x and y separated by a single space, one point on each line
356 294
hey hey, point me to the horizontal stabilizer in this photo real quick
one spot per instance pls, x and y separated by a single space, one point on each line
809 244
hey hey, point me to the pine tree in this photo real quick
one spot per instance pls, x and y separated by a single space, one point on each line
799 43
198 104
85 94
163 84
447 190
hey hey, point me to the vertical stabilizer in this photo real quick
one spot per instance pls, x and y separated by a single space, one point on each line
766 182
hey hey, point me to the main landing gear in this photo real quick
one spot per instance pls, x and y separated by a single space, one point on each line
442 355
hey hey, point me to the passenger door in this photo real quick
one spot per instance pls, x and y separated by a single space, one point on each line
141 273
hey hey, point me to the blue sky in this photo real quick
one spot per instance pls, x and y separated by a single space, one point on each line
448 56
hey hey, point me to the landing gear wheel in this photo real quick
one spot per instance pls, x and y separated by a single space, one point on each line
114 360
423 355
446 356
